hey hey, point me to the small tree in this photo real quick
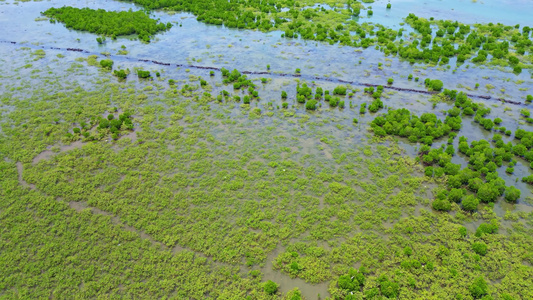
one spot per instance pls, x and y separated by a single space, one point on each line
143 74
436 85
121 74
480 248
311 105
470 203
479 288
442 204
270 287
106 64
512 194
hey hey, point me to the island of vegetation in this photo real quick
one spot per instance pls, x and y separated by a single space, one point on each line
108 23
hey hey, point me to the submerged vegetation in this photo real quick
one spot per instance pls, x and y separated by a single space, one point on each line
109 23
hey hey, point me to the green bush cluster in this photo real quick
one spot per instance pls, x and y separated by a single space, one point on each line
340 90
376 104
425 129
352 281
122 74
434 84
311 105
239 80
110 23
143 74
124 121
106 64
481 177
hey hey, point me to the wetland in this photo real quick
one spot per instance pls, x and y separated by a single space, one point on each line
266 149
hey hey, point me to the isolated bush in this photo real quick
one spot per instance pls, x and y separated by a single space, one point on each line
311 105
106 63
143 74
271 287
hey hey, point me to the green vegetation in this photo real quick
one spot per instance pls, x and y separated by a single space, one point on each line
143 74
122 74
109 23
271 287
200 189
506 45
106 64
435 84
481 177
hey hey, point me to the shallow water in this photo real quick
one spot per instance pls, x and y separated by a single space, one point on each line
465 11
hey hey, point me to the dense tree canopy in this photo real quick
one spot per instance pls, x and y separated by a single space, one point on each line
109 23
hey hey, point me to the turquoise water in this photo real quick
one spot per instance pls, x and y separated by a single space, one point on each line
465 11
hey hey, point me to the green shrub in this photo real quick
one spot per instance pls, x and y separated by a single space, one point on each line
106 64
512 194
470 203
486 228
456 195
333 102
480 248
311 105
362 109
436 85
479 288
270 287
390 81
143 74
120 74
285 105
388 288
340 90
442 204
